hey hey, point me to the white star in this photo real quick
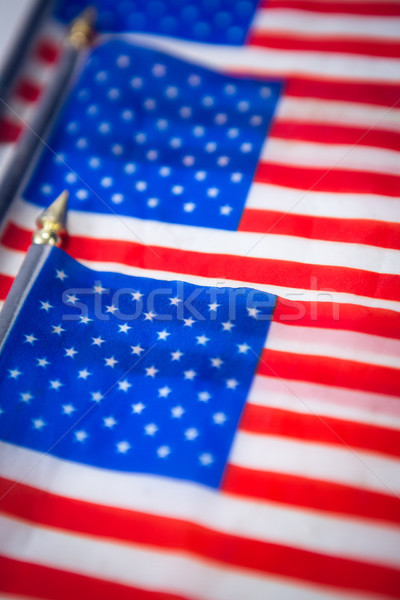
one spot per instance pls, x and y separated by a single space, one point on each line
236 177
213 306
57 329
97 341
200 175
124 328
219 418
202 340
163 451
31 339
136 295
96 396
226 209
81 435
14 373
204 396
177 189
84 374
246 148
85 319
45 305
212 192
188 322
176 355
151 371
177 412
162 335
175 301
109 422
61 274
190 374
42 362
55 384
137 349
111 309
141 186
164 392
68 409
232 384
243 348
26 396
98 289
110 362
124 385
123 447
138 408
72 298
38 423
70 352
151 429
216 362
191 433
189 206
149 316
253 312
206 459
227 326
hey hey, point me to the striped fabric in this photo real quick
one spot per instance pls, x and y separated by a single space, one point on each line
309 507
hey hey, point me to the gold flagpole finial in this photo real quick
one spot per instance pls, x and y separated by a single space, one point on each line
51 222
82 29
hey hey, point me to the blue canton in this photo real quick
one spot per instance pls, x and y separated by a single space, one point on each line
148 135
129 373
211 21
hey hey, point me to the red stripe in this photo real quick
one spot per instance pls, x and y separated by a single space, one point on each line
330 371
48 51
240 268
353 231
367 47
363 92
138 528
329 179
315 428
311 493
9 130
5 285
53 584
335 134
379 9
350 317
28 90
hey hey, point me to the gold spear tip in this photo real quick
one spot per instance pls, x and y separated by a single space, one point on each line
51 222
81 31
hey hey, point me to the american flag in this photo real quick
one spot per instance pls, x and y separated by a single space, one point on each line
309 503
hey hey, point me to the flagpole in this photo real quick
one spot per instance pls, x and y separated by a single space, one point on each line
80 36
51 225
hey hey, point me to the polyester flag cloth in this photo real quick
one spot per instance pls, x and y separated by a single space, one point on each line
315 222
127 466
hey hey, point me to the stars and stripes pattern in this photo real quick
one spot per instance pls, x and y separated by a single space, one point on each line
308 506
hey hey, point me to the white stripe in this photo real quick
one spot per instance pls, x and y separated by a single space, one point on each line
151 569
285 292
330 156
333 112
309 24
342 465
334 343
281 63
221 242
263 521
325 401
323 204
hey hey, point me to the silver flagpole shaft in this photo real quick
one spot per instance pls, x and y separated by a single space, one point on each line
51 224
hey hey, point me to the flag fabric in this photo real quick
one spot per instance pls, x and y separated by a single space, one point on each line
308 506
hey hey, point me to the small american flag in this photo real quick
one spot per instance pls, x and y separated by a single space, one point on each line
309 503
